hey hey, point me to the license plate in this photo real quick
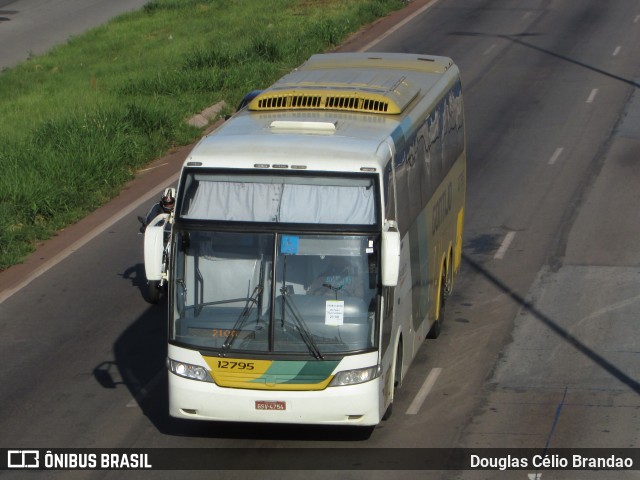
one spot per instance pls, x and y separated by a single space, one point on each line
270 405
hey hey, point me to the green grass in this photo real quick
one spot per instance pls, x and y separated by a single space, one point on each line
77 123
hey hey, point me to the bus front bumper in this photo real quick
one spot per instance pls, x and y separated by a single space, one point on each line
345 405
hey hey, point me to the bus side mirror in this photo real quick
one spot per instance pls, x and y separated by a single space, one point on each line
390 258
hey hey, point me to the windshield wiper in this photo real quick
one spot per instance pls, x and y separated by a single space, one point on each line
252 301
302 328
333 289
300 324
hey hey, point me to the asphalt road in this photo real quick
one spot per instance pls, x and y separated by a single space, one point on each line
540 347
32 27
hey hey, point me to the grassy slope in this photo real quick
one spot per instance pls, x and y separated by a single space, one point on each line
77 123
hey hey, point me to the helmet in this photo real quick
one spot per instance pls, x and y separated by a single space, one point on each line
168 199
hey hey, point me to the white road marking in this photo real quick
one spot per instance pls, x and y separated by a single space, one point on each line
490 49
617 51
153 168
526 15
87 238
398 26
504 246
637 19
592 95
610 308
556 155
424 391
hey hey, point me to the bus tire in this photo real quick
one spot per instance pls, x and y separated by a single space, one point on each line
388 412
436 328
153 291
397 380
434 331
397 373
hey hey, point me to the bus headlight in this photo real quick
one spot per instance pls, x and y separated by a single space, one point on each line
194 372
353 377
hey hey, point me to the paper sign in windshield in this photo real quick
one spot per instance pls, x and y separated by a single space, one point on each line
334 313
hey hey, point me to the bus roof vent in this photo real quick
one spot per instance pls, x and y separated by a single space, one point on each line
299 92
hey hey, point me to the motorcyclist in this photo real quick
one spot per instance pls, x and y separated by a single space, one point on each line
165 205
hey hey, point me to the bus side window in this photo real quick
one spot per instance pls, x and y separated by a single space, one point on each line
390 193
388 294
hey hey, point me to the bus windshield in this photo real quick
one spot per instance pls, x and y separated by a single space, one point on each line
273 293
243 197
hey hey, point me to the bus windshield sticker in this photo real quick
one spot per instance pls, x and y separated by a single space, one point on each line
369 249
289 245
334 313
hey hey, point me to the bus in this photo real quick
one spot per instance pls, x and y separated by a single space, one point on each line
316 237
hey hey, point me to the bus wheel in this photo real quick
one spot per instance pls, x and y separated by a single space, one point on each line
397 374
153 291
434 331
388 412
397 380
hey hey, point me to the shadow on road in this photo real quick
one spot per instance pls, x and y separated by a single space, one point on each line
553 325
517 40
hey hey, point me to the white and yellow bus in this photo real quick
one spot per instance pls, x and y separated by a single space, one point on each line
316 236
